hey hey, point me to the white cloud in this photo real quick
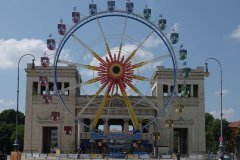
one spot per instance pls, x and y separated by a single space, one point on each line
152 41
227 113
6 104
224 92
141 54
236 33
11 50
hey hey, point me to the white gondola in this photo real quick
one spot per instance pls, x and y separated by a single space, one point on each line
147 13
162 24
186 72
51 43
111 5
174 37
75 17
185 91
43 80
129 7
92 9
45 62
182 54
61 28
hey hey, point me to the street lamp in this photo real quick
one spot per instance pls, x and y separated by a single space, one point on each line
16 142
206 74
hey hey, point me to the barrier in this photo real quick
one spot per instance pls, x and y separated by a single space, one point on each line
15 155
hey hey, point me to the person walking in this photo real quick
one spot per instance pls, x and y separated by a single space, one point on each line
178 155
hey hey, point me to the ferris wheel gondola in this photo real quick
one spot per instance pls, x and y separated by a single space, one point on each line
51 43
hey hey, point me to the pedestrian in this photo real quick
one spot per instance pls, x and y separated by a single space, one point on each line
178 155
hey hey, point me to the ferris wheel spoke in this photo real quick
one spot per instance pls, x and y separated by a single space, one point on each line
94 54
105 40
93 98
140 94
141 78
140 64
90 67
90 81
102 105
138 47
120 47
129 106
110 101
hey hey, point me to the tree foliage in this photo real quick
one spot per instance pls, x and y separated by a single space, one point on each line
9 117
213 132
210 142
8 130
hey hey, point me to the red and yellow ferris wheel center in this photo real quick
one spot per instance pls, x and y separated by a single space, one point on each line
116 70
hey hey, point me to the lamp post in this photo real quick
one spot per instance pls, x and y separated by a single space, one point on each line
16 142
206 74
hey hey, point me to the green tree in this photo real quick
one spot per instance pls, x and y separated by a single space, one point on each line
20 136
211 144
9 116
8 130
227 133
212 127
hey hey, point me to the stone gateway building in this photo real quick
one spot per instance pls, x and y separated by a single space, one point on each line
49 127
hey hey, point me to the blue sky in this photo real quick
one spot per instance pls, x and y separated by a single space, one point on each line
207 29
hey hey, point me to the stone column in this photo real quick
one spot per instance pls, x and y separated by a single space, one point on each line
191 90
62 88
126 125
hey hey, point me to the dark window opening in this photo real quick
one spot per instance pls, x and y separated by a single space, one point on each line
66 85
51 88
180 90
189 90
50 139
180 140
35 88
171 89
165 90
43 90
59 86
195 90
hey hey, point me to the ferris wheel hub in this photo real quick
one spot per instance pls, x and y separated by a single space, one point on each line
116 71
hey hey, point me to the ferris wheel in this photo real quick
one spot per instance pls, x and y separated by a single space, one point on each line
116 52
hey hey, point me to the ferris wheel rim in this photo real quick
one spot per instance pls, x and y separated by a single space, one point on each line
133 16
